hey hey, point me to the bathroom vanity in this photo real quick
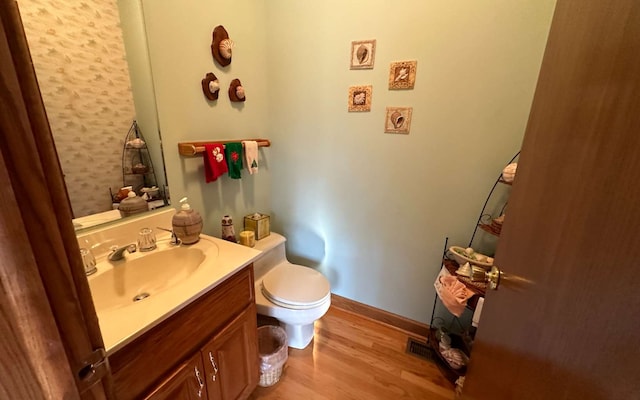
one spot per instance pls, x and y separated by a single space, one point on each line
179 321
208 350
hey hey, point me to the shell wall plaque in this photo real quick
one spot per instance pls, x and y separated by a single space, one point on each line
360 98
363 54
402 74
236 91
221 46
398 120
210 86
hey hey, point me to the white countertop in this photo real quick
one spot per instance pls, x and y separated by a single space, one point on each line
123 324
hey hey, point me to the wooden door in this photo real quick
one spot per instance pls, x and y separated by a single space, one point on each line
185 383
231 359
565 323
47 309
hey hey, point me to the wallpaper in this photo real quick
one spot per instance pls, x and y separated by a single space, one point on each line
79 58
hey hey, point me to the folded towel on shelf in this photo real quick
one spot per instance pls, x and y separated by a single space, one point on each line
214 162
251 156
233 151
453 293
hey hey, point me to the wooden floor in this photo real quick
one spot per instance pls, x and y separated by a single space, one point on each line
353 357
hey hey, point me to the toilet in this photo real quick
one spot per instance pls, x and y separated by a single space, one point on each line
293 294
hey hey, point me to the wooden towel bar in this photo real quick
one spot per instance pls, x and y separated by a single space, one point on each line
195 148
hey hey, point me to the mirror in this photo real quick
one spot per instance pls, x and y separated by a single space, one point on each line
93 69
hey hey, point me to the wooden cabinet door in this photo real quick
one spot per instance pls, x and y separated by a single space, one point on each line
186 383
231 359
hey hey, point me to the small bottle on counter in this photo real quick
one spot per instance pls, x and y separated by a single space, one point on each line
228 233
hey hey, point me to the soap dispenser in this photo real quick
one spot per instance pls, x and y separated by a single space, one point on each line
187 223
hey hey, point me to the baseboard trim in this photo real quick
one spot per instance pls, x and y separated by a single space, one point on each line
399 322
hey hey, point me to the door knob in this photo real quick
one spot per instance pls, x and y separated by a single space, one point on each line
493 277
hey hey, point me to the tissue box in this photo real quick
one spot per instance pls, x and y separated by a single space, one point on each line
259 224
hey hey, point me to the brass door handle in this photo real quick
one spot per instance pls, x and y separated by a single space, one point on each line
493 278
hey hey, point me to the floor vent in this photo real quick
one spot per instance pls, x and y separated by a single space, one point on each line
420 349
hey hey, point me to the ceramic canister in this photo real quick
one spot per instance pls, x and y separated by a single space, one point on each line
132 205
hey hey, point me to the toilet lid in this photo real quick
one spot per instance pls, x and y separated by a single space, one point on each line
295 286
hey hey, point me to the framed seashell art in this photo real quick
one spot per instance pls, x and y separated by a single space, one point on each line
363 54
360 98
398 120
402 74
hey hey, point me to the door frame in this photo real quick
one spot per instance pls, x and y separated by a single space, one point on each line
46 302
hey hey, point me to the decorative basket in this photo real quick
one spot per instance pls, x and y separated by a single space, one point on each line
478 259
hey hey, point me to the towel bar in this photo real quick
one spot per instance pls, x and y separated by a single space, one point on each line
195 148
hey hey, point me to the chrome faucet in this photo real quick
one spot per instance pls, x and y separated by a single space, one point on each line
117 253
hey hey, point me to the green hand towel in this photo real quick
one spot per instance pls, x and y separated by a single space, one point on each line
233 154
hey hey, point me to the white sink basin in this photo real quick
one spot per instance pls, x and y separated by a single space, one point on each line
167 278
140 276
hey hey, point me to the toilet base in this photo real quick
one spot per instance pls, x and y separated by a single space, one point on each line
298 336
299 324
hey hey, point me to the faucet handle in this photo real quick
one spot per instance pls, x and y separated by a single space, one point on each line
146 240
89 261
174 238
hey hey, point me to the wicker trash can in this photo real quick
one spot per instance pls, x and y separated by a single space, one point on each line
273 350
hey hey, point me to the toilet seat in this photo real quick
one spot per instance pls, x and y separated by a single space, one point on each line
295 287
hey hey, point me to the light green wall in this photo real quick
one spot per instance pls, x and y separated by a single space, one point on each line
179 36
373 209
370 210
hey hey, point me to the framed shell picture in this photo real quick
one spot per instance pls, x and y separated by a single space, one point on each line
402 74
360 98
398 120
363 54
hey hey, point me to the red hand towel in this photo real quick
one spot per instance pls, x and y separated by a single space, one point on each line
214 162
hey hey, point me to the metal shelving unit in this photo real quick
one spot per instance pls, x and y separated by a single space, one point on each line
464 341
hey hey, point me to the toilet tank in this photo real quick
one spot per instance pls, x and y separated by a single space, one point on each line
273 253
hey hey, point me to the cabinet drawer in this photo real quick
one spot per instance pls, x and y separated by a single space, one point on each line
140 365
